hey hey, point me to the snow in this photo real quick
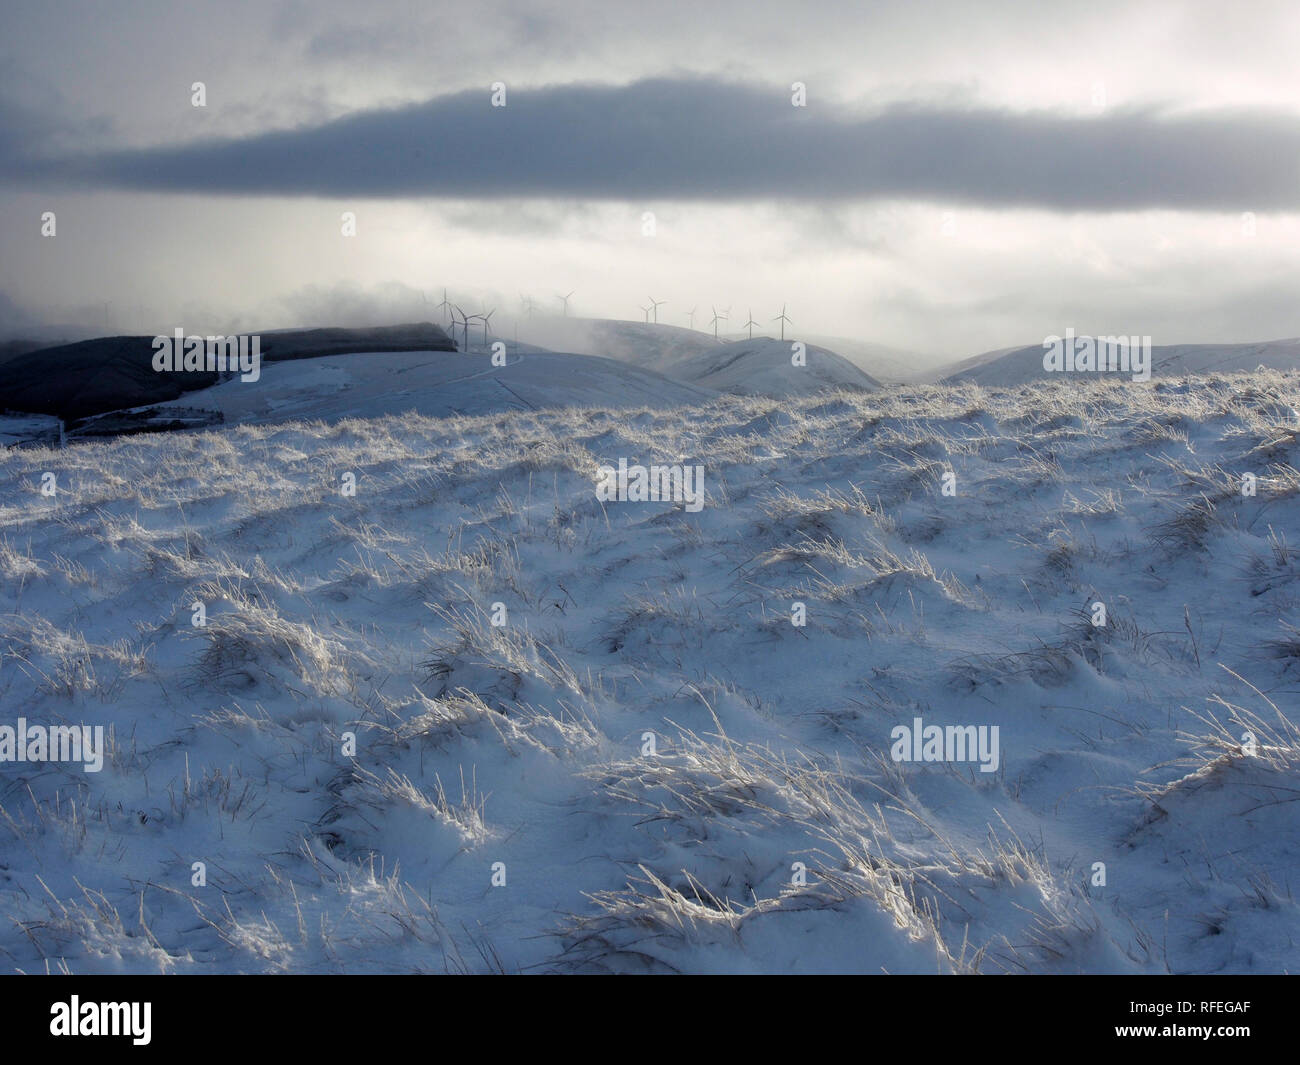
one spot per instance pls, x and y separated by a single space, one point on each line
652 345
879 361
736 364
765 366
436 383
1010 366
26 428
527 744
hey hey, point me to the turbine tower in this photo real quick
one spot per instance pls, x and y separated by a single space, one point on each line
716 319
464 322
471 318
751 323
656 304
782 319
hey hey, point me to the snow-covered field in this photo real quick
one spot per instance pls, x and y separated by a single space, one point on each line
649 765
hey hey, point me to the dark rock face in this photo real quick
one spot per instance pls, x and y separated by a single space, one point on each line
92 377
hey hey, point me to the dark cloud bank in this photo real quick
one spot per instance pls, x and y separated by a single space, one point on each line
700 139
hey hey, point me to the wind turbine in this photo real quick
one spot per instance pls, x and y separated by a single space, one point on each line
486 318
471 318
646 312
656 304
527 301
690 315
782 319
565 301
444 304
464 322
751 323
716 318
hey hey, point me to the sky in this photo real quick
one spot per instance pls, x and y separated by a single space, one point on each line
961 177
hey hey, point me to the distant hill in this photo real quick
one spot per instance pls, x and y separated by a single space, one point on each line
762 367
436 384
880 361
92 377
11 349
1013 366
680 352
646 344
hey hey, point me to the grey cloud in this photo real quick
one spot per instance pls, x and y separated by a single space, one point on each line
352 42
521 218
701 139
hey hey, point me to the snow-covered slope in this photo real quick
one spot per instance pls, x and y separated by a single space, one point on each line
650 345
436 383
28 429
95 377
962 369
763 367
471 717
879 361
1178 359
1010 366
739 366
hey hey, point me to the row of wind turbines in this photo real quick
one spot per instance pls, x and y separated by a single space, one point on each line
451 310
718 316
652 308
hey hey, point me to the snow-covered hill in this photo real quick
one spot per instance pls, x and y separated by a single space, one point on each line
650 345
764 366
437 383
1011 366
601 363
879 361
470 717
733 364
110 374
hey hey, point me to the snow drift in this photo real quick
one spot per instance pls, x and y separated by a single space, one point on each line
468 717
